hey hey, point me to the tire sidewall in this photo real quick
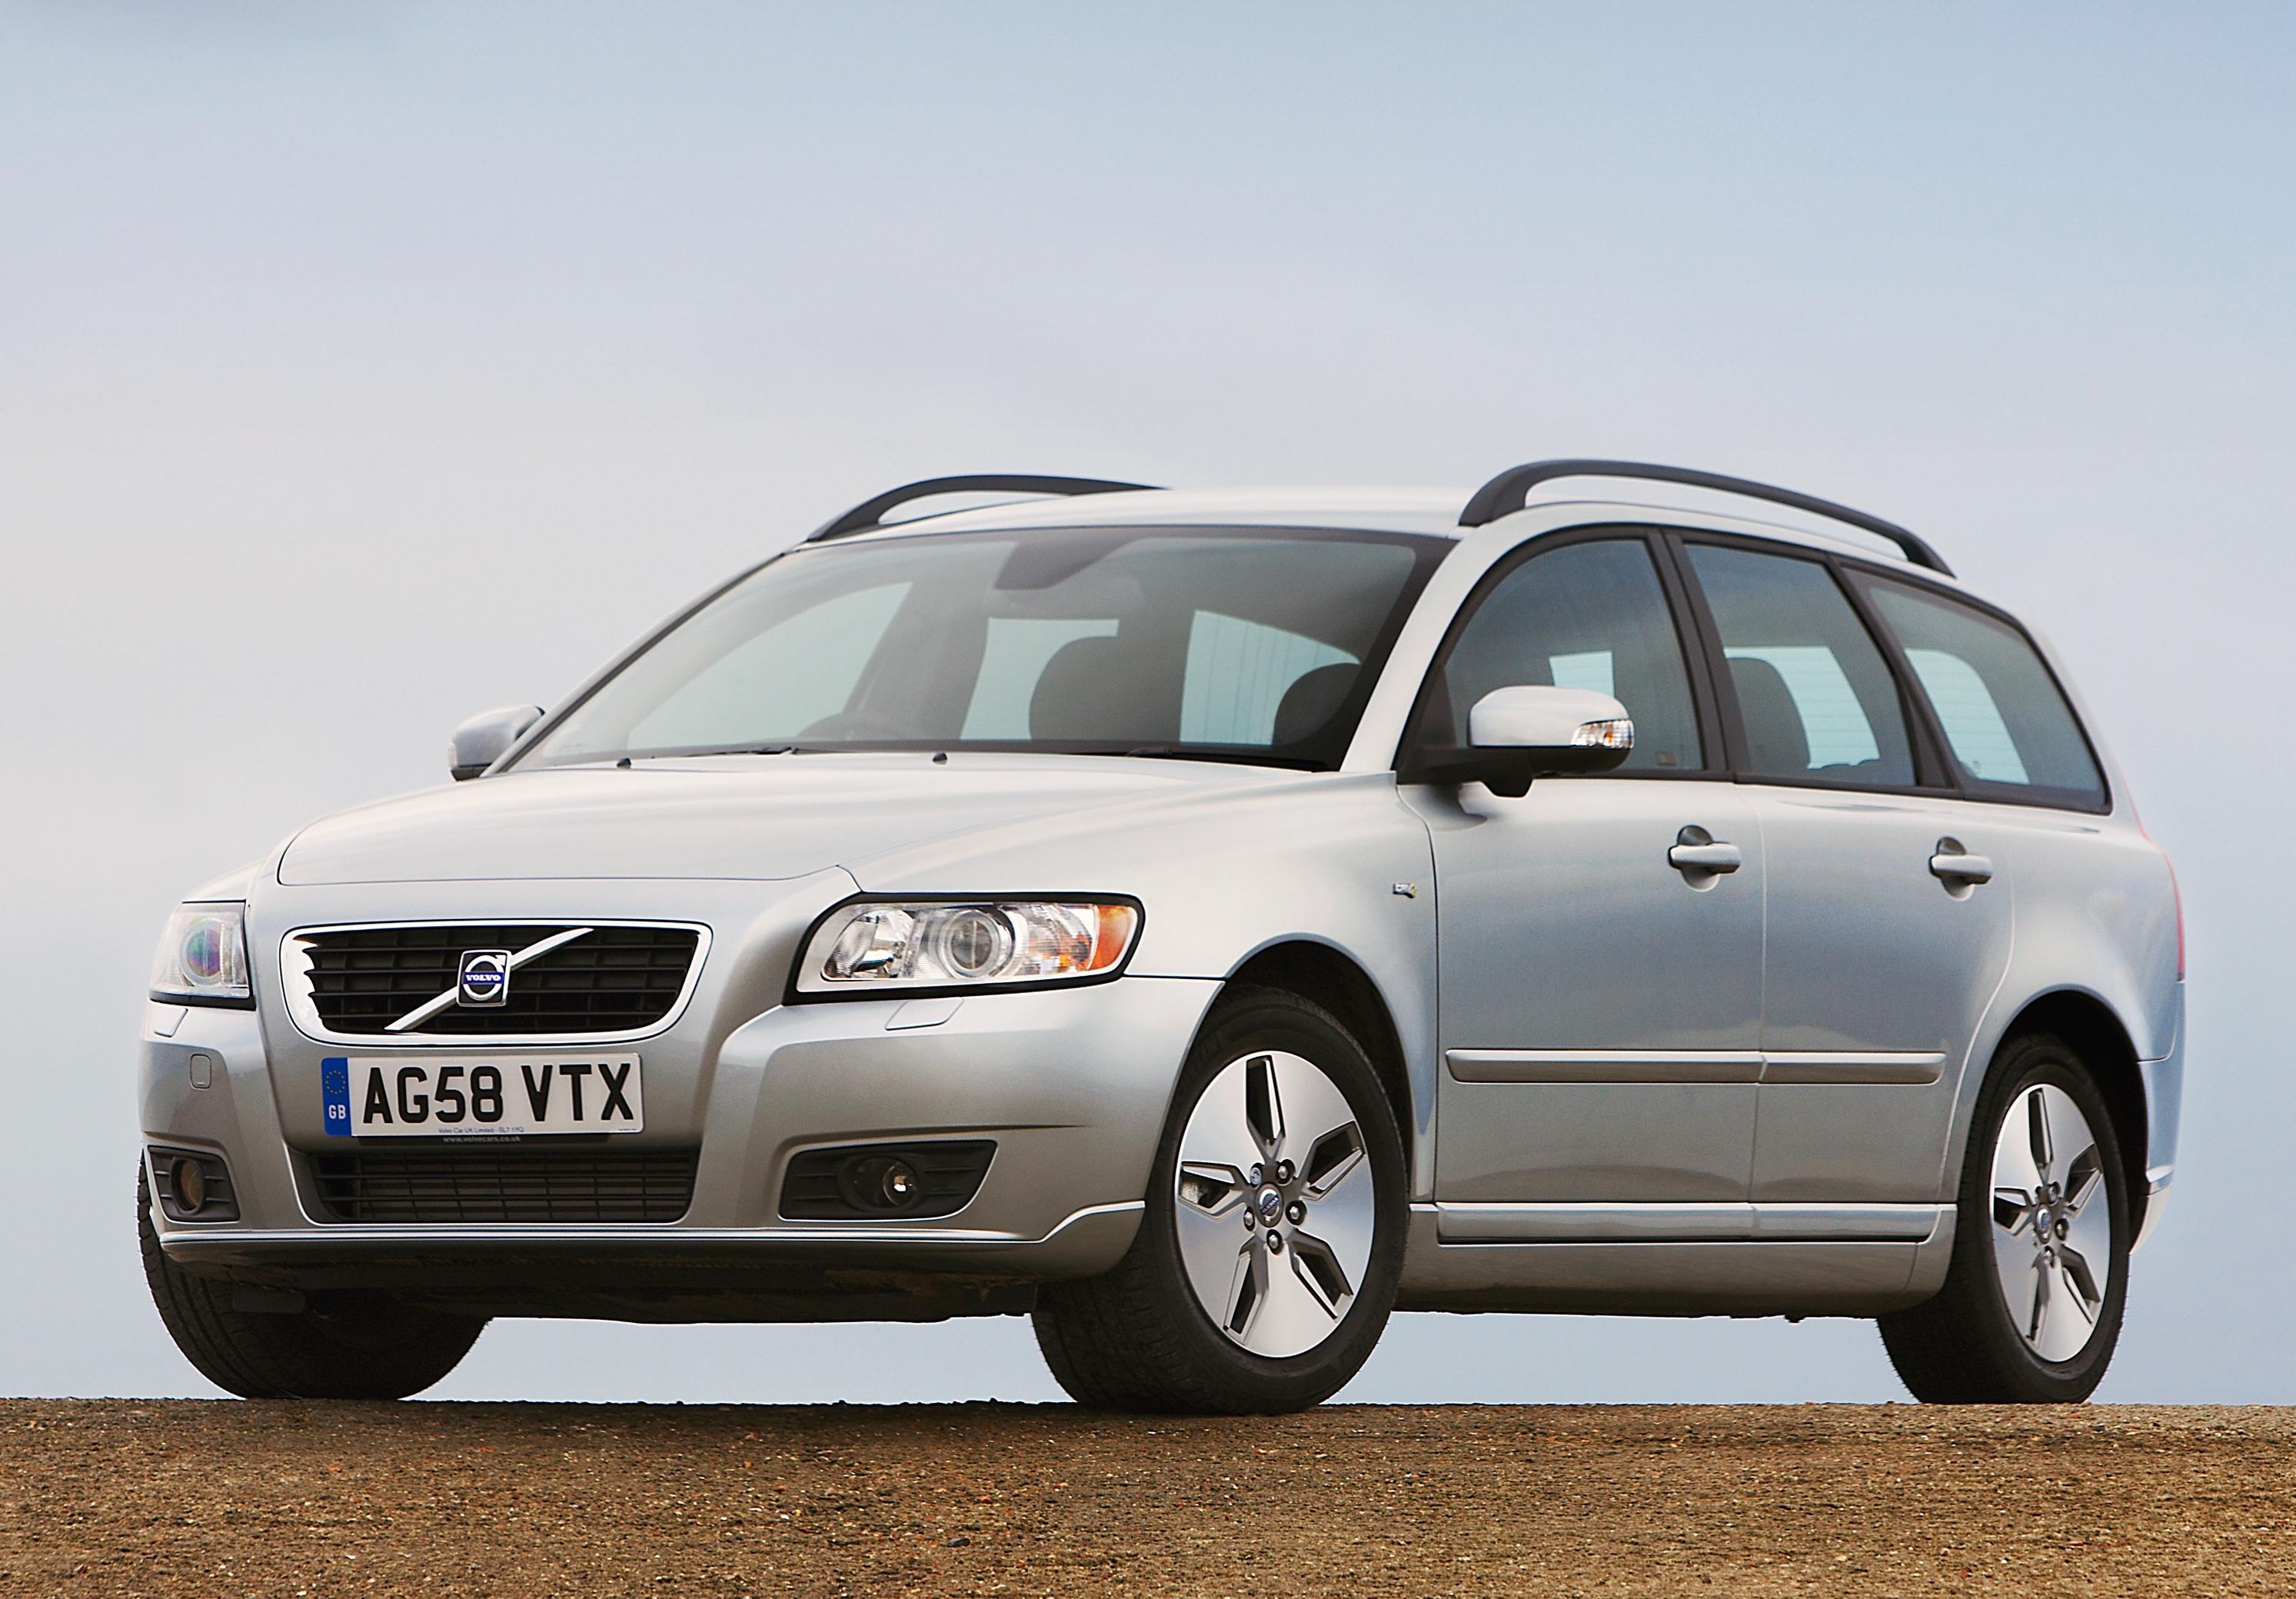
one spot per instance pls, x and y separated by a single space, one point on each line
2031 1062
1256 1026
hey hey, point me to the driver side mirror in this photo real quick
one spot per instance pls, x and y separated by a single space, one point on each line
480 742
1514 735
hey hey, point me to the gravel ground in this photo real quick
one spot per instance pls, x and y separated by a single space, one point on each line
150 1497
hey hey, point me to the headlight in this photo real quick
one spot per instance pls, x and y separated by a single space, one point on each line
901 947
203 957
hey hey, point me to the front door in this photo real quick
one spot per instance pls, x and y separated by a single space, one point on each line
1600 990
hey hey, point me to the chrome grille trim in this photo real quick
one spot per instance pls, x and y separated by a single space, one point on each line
295 984
446 1001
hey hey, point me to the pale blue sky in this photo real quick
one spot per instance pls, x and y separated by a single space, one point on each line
361 366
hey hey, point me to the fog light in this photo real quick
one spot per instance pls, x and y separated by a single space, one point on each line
880 1183
190 1183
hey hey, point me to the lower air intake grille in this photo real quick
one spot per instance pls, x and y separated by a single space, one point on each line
507 1184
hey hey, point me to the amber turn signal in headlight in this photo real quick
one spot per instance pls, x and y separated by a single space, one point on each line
889 946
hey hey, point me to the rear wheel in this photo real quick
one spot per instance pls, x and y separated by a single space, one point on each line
2031 1306
356 1346
1268 1260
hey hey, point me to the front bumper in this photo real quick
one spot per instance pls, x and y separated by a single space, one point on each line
1071 1085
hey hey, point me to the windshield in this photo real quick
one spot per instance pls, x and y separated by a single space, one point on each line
1258 645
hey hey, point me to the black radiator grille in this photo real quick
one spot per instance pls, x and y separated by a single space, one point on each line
506 1183
612 980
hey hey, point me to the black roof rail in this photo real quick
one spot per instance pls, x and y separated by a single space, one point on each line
870 514
1510 491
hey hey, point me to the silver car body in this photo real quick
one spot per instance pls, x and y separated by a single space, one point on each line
1618 1094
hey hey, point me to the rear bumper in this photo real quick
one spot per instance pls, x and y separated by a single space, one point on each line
1071 1086
2164 1095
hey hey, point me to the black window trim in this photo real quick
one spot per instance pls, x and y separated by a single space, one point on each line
1971 787
1705 703
1930 773
1937 774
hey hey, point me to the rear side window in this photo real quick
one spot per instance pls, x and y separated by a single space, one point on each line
1816 697
2005 720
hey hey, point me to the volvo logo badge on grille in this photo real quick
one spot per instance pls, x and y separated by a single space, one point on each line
483 978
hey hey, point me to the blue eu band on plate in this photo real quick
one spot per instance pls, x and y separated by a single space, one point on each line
429 1097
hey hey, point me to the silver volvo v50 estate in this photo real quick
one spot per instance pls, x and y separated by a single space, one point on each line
1207 923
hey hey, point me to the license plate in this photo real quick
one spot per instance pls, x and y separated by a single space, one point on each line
403 1097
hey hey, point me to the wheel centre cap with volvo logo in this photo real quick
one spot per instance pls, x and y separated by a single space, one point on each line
483 978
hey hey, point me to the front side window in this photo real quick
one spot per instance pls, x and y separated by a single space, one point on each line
1251 645
1816 697
2005 721
1589 615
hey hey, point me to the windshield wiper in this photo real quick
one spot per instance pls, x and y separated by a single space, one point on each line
730 749
1237 757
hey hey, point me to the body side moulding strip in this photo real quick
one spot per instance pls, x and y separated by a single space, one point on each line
1691 1066
1603 1066
1811 1066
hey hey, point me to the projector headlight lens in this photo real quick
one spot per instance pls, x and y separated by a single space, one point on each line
874 949
202 957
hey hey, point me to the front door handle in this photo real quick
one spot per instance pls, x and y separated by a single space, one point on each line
1695 849
1953 865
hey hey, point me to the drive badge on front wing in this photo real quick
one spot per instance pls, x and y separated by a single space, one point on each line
402 1096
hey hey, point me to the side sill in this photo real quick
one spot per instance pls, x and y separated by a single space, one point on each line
1719 1277
1576 1222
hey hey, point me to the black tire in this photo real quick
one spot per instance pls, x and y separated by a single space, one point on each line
1963 1347
362 1347
1136 1339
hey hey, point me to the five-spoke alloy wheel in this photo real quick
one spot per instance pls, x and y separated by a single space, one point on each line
2052 1236
2030 1308
1275 1203
1268 1255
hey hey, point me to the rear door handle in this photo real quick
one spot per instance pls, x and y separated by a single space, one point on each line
1695 849
1951 864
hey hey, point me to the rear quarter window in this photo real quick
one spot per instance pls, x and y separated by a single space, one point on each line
2007 723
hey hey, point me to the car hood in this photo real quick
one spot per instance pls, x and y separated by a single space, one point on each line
760 817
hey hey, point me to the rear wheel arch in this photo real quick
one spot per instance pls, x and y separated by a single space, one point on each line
1330 978
2088 1026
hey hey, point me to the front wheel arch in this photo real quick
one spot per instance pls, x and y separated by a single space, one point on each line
1326 976
1140 1337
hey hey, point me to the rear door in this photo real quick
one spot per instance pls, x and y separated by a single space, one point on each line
1879 958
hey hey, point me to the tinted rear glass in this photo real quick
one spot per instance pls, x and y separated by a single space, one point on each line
1815 695
2005 721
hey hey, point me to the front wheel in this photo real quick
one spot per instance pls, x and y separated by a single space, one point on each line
1268 1257
364 1347
2031 1310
